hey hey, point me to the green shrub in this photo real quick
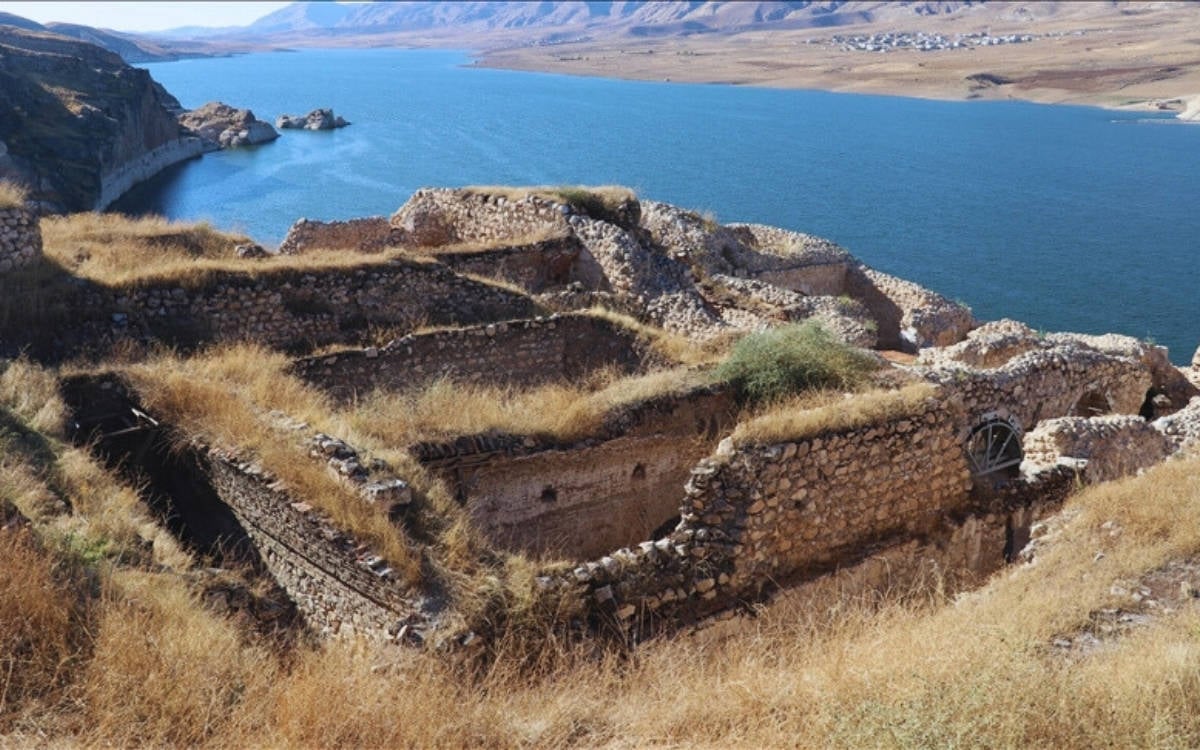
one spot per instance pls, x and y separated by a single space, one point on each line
783 361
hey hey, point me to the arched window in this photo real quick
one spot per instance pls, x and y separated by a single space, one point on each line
994 449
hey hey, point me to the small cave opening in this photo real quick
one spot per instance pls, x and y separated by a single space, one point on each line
639 473
549 494
1016 537
1091 404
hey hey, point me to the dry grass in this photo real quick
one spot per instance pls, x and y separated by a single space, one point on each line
223 398
117 250
42 620
672 347
810 415
559 412
907 669
12 195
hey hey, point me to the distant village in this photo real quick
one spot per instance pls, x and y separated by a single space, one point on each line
889 41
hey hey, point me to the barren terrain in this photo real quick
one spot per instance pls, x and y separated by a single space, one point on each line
1086 53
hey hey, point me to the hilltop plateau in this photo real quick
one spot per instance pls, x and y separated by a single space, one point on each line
591 468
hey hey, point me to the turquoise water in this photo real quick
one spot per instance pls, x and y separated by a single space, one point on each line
1068 218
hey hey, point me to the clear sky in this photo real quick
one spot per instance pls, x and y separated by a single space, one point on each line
143 16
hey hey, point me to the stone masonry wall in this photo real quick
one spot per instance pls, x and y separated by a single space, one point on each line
441 216
1045 384
327 574
534 266
367 235
528 352
763 514
20 238
285 308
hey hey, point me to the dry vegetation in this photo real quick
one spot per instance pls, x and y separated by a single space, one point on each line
812 414
12 195
909 669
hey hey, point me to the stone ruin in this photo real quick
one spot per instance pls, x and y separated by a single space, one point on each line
20 238
668 515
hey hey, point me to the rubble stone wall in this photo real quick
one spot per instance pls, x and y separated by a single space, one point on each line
534 266
366 235
20 238
1045 384
443 216
762 514
527 352
290 309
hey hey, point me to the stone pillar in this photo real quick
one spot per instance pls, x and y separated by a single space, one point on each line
20 238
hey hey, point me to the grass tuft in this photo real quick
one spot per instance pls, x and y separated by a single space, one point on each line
12 195
778 363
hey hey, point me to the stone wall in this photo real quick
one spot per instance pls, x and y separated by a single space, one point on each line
534 266
759 516
909 316
580 500
525 352
1046 384
285 308
20 238
1106 448
327 574
769 513
366 235
442 216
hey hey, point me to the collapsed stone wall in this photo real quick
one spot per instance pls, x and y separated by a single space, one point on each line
286 308
534 266
583 499
366 235
20 238
443 216
526 352
909 316
1107 447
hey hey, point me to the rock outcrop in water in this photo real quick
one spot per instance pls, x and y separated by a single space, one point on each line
318 119
223 126
80 126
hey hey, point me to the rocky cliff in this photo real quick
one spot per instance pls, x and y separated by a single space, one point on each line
79 126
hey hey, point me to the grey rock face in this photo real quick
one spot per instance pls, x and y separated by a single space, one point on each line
226 126
318 119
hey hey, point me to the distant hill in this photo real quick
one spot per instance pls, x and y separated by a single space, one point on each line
77 124
633 17
132 48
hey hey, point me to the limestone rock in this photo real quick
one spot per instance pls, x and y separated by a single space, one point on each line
318 119
226 126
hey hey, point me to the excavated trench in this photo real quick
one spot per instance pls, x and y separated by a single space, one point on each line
170 478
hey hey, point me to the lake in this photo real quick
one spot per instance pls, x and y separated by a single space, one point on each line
1067 218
